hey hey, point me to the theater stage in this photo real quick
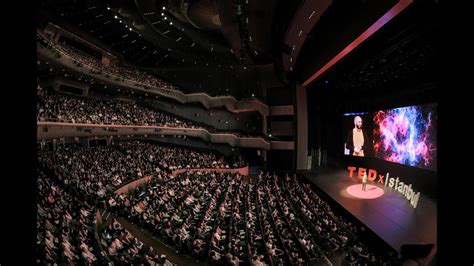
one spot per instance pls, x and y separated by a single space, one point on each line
390 216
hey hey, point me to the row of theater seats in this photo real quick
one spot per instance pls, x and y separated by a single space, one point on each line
63 108
223 219
125 248
213 216
65 226
132 74
73 179
66 235
94 172
56 107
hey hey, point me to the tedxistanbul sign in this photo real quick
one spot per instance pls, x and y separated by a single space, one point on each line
394 183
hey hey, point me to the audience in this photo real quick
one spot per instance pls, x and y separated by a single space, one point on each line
62 108
65 226
56 107
139 77
217 217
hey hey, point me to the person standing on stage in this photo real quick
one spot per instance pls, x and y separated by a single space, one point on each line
364 181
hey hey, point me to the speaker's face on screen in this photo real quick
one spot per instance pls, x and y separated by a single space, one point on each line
358 122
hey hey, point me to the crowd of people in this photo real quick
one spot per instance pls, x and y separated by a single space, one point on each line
125 248
336 232
96 171
65 226
215 217
73 179
61 108
139 77
57 107
223 219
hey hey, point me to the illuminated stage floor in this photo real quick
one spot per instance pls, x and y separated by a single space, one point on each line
389 215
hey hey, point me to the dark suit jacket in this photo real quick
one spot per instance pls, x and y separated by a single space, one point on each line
350 142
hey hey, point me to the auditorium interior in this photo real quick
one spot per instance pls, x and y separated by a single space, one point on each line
236 132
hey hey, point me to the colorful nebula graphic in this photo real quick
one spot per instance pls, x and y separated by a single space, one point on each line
407 136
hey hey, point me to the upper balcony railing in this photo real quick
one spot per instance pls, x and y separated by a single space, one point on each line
56 130
93 69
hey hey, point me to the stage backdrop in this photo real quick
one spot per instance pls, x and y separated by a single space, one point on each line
404 135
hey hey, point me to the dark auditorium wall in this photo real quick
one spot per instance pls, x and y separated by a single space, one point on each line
281 95
253 156
280 160
281 128
239 82
324 124
267 76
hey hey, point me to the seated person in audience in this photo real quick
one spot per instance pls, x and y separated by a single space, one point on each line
255 261
198 247
215 256
348 261
235 260
274 251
